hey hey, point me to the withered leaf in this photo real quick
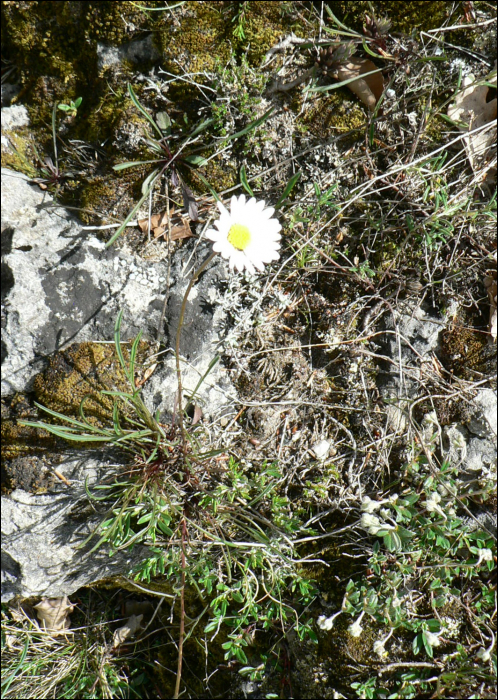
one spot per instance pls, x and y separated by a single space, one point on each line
197 414
368 89
181 231
159 224
53 613
189 202
473 110
131 626
156 220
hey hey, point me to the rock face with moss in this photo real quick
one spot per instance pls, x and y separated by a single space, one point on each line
62 290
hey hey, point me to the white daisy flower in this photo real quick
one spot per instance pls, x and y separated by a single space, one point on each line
247 235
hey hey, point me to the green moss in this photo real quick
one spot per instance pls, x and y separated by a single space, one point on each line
334 114
465 350
405 17
199 41
83 370
20 156
220 176
96 198
265 25
18 441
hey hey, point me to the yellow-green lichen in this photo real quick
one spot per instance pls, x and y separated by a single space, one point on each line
83 370
17 440
19 155
405 17
334 114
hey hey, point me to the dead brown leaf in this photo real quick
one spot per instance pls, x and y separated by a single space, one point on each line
131 626
197 414
490 282
473 110
182 230
180 227
368 89
53 613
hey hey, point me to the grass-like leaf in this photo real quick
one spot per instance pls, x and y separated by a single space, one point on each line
243 181
137 104
288 189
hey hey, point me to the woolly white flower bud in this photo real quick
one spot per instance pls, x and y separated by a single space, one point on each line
432 639
369 506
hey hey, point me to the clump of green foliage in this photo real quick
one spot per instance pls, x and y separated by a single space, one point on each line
224 531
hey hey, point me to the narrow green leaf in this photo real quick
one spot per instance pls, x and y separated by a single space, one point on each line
195 160
213 192
149 181
132 164
337 22
128 218
326 88
243 181
212 364
368 50
8 681
68 433
133 356
54 118
117 342
144 111
201 127
288 188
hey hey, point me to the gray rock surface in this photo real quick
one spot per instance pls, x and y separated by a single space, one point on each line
414 339
60 286
41 534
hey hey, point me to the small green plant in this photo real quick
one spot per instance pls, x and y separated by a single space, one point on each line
423 546
228 534
133 427
52 175
239 20
70 109
173 161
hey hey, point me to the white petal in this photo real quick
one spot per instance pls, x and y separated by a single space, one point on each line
212 234
222 208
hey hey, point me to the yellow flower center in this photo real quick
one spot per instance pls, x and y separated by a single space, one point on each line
239 236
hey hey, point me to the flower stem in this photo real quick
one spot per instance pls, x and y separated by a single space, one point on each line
177 346
182 616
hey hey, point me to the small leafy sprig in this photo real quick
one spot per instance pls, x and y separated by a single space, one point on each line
165 160
71 109
52 174
168 160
